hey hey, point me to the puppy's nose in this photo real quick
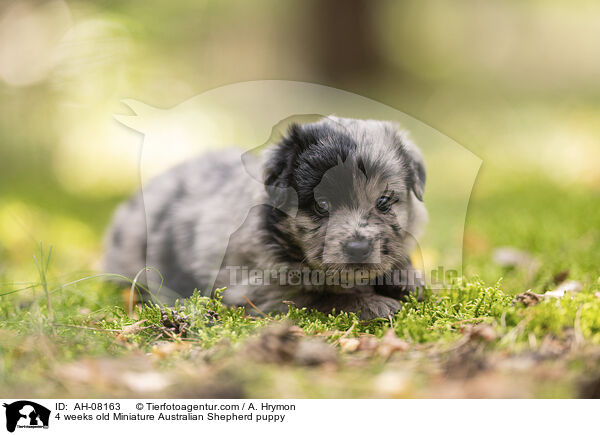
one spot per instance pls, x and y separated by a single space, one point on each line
357 249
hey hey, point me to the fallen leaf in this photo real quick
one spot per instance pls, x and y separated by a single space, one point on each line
275 344
284 343
467 360
133 329
167 348
481 331
367 343
314 352
390 343
528 298
564 288
349 344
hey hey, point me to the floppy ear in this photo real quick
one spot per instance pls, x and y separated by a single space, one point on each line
280 164
419 176
415 166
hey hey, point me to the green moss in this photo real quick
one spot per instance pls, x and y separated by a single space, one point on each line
88 313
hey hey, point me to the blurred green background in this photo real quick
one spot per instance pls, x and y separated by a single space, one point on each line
516 82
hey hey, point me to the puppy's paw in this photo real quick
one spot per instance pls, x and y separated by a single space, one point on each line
378 306
400 291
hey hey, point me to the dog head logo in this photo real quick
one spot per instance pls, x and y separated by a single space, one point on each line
26 414
245 113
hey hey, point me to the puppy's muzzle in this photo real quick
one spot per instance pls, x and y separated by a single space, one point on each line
358 250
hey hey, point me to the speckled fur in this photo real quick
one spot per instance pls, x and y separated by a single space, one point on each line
197 220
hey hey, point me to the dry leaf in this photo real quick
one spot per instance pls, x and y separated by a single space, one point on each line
367 343
284 343
131 330
481 332
349 344
528 298
314 352
275 344
564 288
168 348
390 343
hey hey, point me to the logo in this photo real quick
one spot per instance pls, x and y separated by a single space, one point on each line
26 414
245 113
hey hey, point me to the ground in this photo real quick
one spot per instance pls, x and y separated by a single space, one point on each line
73 335
516 83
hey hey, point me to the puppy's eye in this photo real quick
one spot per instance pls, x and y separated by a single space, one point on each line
384 203
322 207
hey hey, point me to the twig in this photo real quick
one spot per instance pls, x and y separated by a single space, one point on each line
87 327
348 331
170 334
459 322
344 335
254 306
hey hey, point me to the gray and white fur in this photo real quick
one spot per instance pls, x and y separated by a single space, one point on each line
338 196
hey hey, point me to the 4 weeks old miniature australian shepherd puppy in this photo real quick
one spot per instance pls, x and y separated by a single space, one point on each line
332 225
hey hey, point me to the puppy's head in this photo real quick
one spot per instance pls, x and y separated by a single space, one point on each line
360 187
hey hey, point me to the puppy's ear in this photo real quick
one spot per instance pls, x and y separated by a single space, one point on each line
415 167
279 166
419 176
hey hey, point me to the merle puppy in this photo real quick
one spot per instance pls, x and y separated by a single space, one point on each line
331 226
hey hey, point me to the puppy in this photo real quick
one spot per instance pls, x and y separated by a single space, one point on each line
331 226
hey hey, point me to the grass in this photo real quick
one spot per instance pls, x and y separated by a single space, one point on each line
55 332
